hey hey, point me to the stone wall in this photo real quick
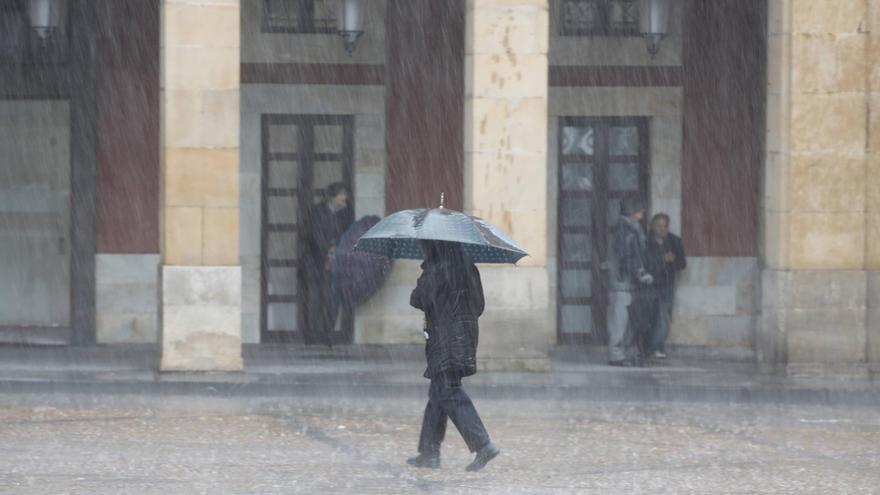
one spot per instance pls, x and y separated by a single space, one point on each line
199 180
505 172
819 210
872 236
716 305
126 298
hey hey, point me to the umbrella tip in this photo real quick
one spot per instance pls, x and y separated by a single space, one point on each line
442 200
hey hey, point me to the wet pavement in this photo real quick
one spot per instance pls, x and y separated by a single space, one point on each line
144 444
99 421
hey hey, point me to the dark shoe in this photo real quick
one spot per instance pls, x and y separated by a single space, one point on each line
431 461
483 457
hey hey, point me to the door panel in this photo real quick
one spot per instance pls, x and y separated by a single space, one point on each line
34 215
601 162
302 155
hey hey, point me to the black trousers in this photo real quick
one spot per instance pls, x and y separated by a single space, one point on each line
321 310
641 316
447 399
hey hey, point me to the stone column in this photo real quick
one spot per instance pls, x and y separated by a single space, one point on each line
199 104
872 182
505 172
816 236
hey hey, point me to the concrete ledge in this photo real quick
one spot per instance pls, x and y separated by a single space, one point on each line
528 364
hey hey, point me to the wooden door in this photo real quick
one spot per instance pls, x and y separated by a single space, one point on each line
601 162
35 206
302 155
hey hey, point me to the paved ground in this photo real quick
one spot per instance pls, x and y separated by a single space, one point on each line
103 421
117 444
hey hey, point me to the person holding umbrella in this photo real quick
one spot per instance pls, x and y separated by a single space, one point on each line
450 293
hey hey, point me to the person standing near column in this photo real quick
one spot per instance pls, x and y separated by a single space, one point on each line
665 258
628 277
450 293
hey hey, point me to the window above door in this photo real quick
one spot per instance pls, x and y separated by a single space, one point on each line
299 16
599 18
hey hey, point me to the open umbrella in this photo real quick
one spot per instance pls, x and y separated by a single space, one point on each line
357 276
397 236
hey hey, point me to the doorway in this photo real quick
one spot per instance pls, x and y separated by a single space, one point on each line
602 160
301 156
35 219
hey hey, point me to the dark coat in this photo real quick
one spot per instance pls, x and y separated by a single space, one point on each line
451 295
627 258
322 229
663 271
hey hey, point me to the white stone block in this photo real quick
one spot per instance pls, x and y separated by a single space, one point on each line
523 288
710 301
369 185
250 327
201 338
370 206
201 318
126 298
737 271
201 286
127 328
111 269
731 330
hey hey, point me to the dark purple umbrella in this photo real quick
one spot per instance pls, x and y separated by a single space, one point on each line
357 276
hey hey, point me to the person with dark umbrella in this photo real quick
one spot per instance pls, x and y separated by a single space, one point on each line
450 293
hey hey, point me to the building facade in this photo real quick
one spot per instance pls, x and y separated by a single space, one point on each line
161 153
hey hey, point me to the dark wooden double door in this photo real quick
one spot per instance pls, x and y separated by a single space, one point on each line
601 162
301 156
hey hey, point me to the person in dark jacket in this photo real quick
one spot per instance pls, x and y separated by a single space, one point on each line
665 258
324 225
450 293
628 279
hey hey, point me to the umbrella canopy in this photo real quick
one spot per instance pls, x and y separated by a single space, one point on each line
397 236
357 276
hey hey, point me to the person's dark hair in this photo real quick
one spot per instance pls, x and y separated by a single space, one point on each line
631 205
442 251
660 216
334 189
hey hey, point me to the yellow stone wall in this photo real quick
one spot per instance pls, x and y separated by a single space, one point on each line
506 88
200 132
821 217
872 256
816 209
505 172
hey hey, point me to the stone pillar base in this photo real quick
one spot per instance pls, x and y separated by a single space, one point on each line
201 318
516 330
813 319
